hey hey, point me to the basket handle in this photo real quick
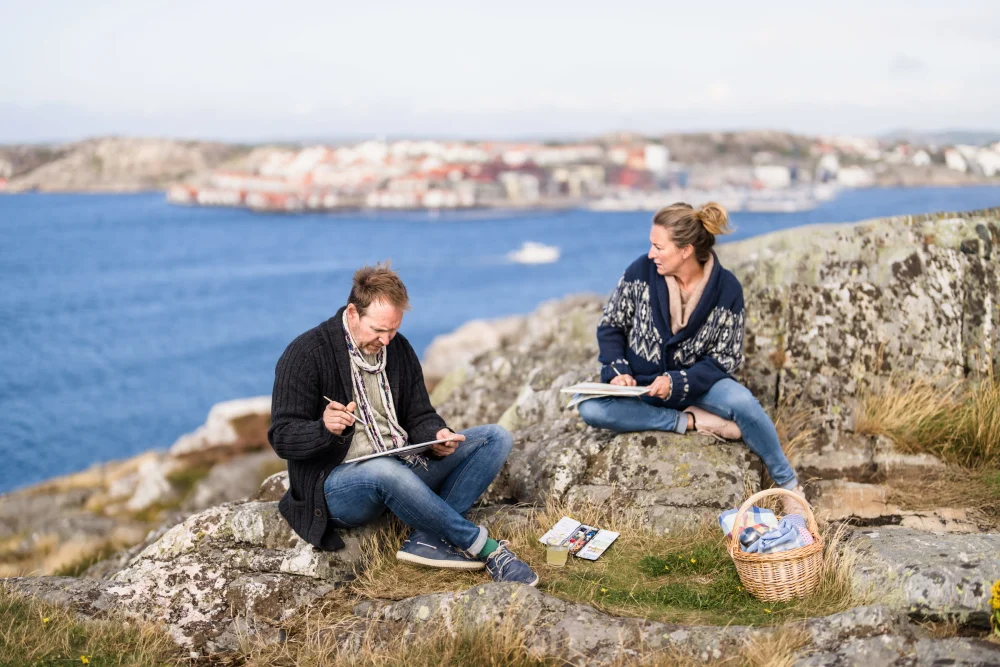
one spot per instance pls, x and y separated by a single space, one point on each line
734 536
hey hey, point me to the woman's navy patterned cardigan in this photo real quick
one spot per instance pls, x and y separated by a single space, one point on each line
634 333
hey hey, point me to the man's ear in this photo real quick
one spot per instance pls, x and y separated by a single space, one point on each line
353 316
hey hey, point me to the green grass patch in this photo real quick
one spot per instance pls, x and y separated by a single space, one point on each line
184 479
670 582
35 633
156 511
684 577
991 478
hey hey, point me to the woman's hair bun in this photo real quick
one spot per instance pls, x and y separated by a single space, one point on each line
714 218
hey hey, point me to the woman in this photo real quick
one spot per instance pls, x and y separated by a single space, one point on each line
675 323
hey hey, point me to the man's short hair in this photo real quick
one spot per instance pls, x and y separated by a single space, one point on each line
378 283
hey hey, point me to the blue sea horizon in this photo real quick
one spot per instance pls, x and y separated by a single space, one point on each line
125 319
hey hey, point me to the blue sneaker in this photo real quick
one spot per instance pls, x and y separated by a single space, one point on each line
423 548
503 565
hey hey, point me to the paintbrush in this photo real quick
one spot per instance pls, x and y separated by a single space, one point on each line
356 418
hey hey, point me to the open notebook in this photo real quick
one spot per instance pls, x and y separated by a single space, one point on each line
399 451
588 390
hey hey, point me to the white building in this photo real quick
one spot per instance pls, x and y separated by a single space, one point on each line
954 160
773 175
866 147
828 164
989 161
657 158
855 177
520 187
967 151
921 158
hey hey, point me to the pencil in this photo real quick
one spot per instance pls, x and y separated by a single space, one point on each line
617 373
356 418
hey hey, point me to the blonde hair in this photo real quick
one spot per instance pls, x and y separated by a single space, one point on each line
694 227
378 283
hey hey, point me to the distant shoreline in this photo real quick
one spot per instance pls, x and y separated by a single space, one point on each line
994 182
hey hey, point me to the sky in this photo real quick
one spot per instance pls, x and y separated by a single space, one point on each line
303 69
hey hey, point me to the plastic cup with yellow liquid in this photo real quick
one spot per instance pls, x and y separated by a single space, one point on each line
556 554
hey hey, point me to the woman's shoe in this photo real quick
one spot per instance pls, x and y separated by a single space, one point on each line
792 505
708 424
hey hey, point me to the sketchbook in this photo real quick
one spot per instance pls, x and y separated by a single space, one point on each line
399 451
584 541
587 390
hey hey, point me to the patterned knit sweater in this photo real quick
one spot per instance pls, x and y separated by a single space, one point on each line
634 333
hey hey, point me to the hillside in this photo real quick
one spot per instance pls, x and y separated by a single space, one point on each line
110 164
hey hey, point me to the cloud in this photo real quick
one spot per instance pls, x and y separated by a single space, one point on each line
904 65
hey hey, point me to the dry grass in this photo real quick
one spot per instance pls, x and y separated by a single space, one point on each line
35 633
914 412
357 643
79 566
794 431
951 486
958 423
779 649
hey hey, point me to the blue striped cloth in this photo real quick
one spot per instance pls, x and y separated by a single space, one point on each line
755 515
791 533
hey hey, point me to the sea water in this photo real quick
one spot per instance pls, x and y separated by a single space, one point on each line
124 319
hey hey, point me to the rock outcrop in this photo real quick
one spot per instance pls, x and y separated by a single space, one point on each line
237 568
580 635
232 426
61 524
933 574
843 305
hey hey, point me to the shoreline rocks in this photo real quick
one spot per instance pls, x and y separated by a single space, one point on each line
63 523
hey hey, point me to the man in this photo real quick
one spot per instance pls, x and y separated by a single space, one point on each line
379 403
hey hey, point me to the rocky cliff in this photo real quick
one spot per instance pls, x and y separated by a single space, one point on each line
830 309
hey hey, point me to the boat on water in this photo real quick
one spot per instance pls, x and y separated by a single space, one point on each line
534 253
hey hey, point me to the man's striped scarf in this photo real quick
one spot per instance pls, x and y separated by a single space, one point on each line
358 364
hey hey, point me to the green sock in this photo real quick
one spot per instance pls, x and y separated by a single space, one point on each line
491 546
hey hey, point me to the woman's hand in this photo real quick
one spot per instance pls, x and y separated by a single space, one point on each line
660 387
623 381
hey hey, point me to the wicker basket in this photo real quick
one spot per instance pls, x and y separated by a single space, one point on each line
783 575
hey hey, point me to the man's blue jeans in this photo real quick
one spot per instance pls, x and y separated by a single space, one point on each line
727 398
433 499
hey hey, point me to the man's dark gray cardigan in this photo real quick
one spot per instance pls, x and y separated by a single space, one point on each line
317 364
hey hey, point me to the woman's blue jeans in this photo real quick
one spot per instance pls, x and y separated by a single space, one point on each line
726 398
433 499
